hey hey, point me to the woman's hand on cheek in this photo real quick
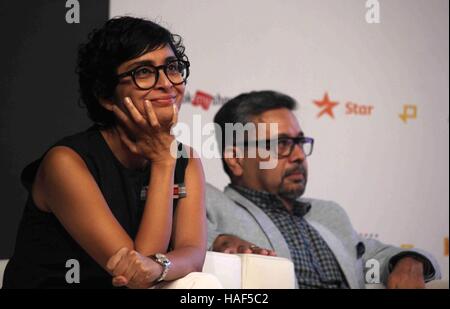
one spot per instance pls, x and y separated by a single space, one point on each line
145 136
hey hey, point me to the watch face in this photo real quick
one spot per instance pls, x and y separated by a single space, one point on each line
161 258
165 262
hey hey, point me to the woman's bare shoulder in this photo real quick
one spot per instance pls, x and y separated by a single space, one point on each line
59 163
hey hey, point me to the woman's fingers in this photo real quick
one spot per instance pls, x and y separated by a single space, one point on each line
130 272
135 114
151 114
122 266
115 259
126 140
119 281
139 280
127 269
123 119
142 134
175 115
132 282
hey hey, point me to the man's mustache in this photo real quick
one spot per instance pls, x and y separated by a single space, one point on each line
296 170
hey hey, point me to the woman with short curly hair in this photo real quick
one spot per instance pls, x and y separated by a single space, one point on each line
122 201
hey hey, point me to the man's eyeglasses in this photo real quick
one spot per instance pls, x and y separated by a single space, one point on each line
283 146
146 76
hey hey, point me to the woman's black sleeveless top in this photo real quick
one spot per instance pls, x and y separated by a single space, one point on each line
43 246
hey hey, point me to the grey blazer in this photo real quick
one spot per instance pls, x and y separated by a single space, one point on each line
230 213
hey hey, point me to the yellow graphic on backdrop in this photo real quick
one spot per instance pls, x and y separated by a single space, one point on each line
409 112
406 246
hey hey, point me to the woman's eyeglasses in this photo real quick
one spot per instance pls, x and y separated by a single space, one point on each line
145 77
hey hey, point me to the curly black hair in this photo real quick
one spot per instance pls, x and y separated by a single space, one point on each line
119 40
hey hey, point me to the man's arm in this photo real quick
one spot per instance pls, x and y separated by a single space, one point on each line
397 265
227 243
220 232
402 268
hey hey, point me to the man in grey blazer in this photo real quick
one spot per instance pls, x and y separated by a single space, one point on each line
262 210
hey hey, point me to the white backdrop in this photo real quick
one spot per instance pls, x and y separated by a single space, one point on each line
392 177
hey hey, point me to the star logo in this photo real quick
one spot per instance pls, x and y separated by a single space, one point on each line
326 105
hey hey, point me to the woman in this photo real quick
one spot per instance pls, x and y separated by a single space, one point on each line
88 201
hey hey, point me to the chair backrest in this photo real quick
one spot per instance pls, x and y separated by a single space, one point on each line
250 271
226 267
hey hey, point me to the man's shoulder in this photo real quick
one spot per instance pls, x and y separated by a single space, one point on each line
330 215
323 208
214 192
216 198
319 203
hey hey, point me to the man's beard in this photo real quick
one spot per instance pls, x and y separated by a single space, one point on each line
293 193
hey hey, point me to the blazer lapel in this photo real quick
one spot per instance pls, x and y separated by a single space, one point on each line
274 235
346 262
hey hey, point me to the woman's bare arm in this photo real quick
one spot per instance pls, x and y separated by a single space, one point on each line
156 223
188 239
65 187
189 227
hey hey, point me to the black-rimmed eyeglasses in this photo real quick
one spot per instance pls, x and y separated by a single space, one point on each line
283 146
146 76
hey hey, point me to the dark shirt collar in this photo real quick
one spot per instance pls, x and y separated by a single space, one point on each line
269 201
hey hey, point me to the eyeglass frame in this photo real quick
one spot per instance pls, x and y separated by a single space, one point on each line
296 141
158 68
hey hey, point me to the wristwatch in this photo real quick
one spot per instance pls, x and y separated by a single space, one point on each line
164 262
